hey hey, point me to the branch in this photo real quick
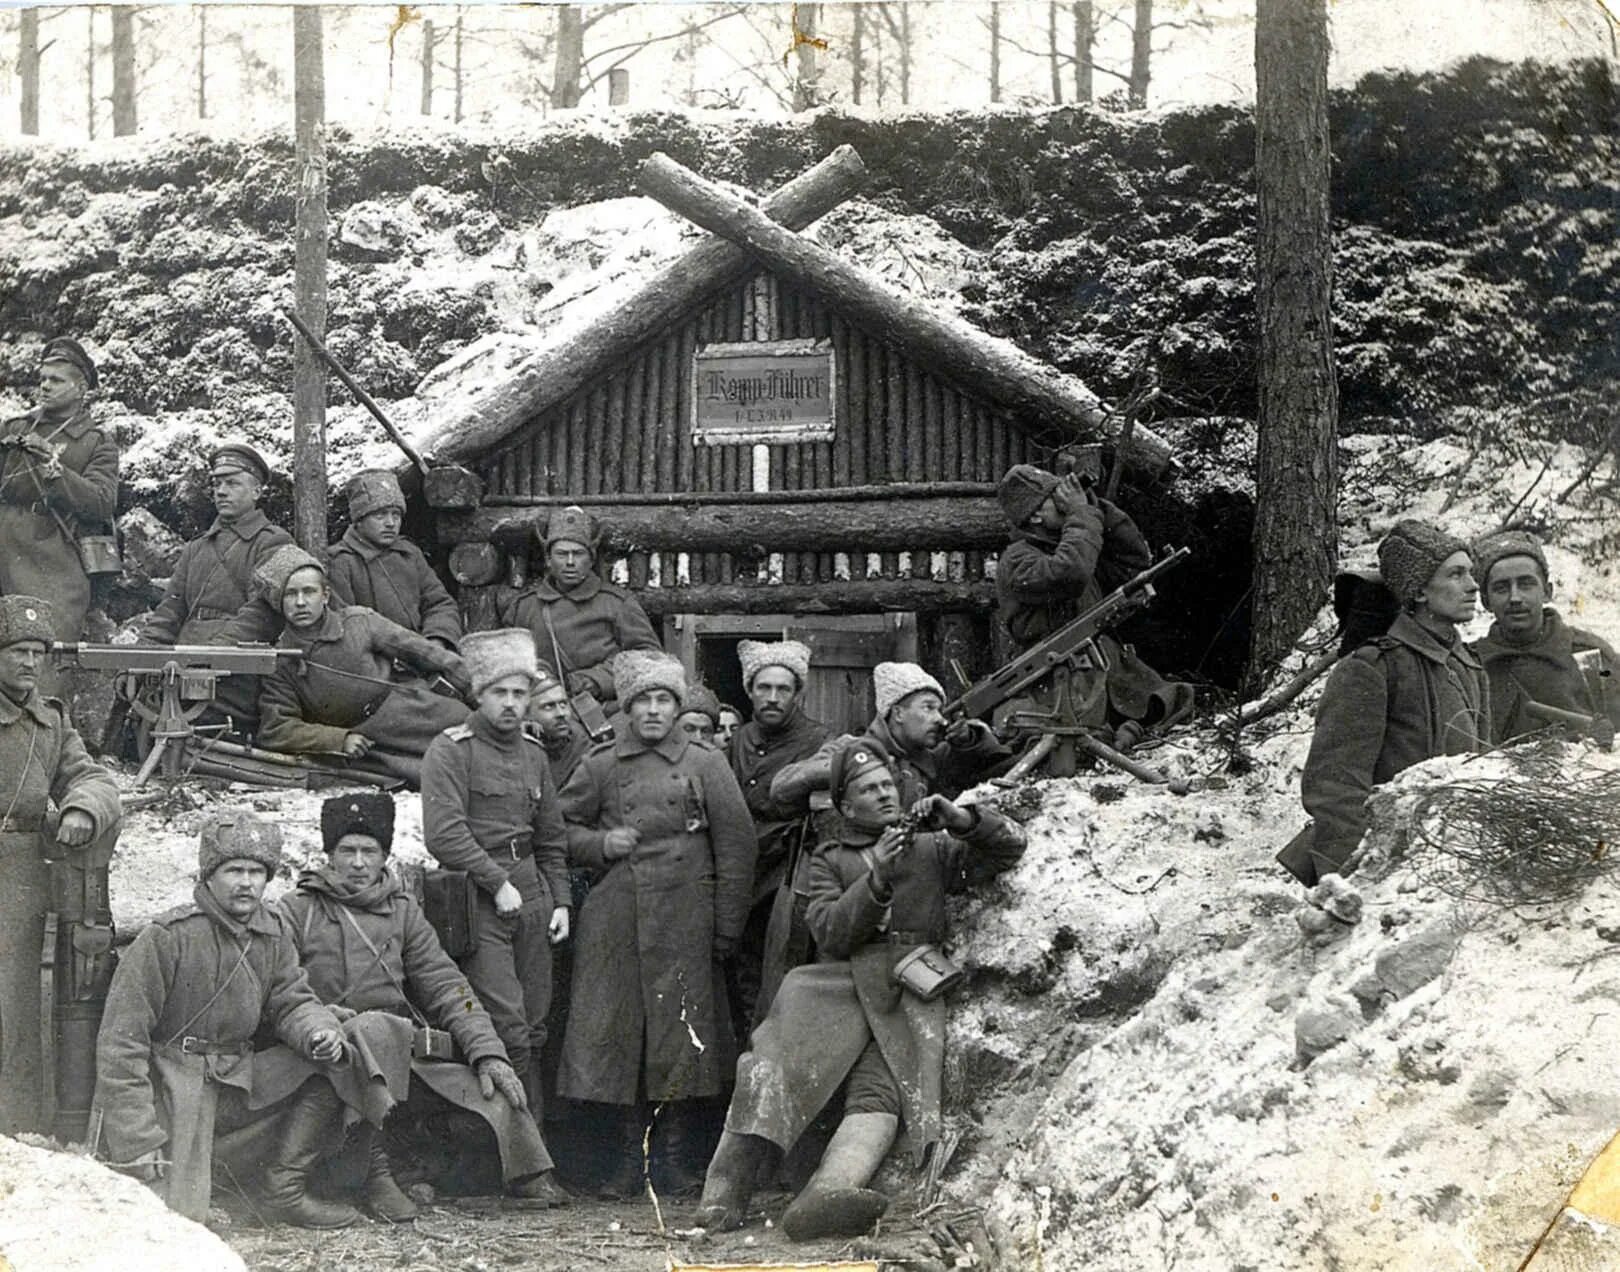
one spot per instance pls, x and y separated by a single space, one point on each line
637 45
604 11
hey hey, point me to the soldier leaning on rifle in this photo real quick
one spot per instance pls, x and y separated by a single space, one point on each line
367 947
490 807
58 480
579 620
175 1064
851 1020
372 565
343 697
1530 652
42 763
1407 696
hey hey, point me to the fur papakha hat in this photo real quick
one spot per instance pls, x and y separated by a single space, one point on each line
574 524
26 618
494 655
367 813
1023 489
237 834
893 682
1411 553
635 671
271 574
699 697
756 655
373 489
1488 549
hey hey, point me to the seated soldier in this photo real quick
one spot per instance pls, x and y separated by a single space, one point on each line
1070 548
342 699
175 1065
372 565
700 714
1530 654
366 946
1412 694
580 621
877 894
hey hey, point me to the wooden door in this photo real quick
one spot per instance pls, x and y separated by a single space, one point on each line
843 652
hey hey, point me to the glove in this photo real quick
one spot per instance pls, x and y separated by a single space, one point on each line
459 680
495 1074
724 947
341 1012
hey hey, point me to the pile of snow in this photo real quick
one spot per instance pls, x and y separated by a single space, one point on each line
61 1212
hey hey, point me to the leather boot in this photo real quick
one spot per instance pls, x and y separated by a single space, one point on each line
730 1182
306 1131
384 1199
836 1201
537 1192
628 1176
679 1154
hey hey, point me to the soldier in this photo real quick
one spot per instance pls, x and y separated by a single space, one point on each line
372 565
343 699
42 762
562 736
658 820
175 1064
1070 548
580 621
58 480
780 734
730 721
877 896
366 946
1530 654
700 714
490 807
1407 696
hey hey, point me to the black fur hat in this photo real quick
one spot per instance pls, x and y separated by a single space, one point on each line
368 813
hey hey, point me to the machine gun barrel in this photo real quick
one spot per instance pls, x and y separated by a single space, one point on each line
1037 662
219 660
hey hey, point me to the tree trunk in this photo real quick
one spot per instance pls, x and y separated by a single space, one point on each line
28 71
202 61
427 66
857 52
995 51
570 57
905 54
943 344
460 78
562 366
123 55
1296 477
90 71
309 280
1141 54
806 90
1053 61
1085 36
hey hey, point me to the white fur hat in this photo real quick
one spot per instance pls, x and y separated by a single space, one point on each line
756 655
635 671
494 655
894 681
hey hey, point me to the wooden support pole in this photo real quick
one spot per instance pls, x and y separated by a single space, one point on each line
309 280
565 365
940 342
868 596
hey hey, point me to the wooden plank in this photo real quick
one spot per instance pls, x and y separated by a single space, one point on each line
855 394
668 404
866 597
916 448
634 404
604 450
951 425
683 407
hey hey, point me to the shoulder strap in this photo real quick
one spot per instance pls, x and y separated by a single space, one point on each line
376 961
247 947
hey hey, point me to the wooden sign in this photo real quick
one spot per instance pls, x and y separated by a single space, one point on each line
763 391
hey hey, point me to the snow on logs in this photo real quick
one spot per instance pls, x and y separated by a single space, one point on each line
934 339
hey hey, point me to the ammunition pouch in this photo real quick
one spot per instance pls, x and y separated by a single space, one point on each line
450 904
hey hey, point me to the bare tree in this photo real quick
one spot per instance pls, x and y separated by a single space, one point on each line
569 66
1085 38
1054 59
123 58
994 24
1141 54
807 91
427 66
460 77
29 51
1296 464
90 70
202 61
309 278
857 52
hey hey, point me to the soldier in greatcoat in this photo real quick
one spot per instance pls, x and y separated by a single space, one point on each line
367 947
1414 693
562 736
490 807
43 764
580 621
877 894
657 819
374 566
343 698
175 1064
58 480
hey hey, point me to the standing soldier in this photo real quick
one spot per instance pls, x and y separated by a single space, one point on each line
580 621
658 820
490 807
372 565
42 762
562 736
58 480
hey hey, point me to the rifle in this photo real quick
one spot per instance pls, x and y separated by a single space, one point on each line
189 678
1057 657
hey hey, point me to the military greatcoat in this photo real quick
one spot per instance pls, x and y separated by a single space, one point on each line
579 632
211 582
1544 670
397 582
40 517
646 991
42 763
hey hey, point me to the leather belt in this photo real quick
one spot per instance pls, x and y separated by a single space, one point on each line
516 848
202 1047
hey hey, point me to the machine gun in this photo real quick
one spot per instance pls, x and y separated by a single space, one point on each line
188 679
1071 648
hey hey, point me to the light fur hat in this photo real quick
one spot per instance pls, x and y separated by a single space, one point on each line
26 618
271 574
574 524
1411 553
893 682
237 834
700 698
635 671
495 655
756 655
372 489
